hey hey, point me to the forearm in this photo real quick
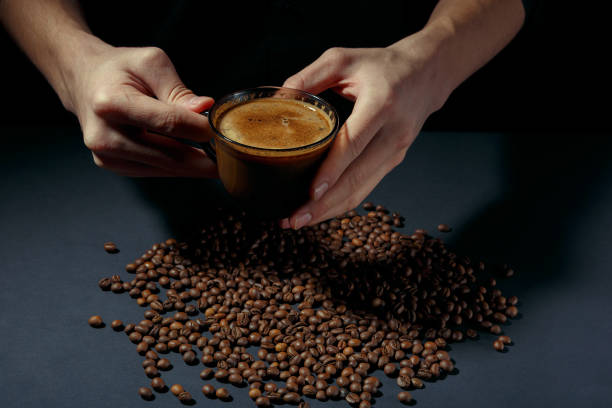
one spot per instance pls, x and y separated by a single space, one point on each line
461 36
54 35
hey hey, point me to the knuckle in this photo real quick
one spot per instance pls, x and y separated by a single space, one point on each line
103 103
337 56
167 122
98 142
154 55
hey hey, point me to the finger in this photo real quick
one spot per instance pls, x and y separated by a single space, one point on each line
160 75
139 110
137 145
358 130
130 168
356 183
325 72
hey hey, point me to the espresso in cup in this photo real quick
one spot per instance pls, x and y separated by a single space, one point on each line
274 123
269 144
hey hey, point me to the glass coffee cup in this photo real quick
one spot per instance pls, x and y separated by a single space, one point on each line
269 182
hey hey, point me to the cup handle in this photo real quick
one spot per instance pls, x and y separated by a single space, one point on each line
208 147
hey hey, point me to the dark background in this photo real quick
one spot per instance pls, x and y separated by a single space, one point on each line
552 77
535 192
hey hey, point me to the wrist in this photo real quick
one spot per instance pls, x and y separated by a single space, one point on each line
425 52
72 56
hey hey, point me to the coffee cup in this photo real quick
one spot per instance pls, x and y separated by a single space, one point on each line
268 145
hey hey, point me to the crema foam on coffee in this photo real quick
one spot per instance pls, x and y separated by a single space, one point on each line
274 123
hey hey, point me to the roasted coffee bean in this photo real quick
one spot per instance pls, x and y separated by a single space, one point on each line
207 373
105 283
444 228
111 247
222 393
176 389
389 369
403 381
404 397
190 357
291 398
498 345
417 382
235 379
263 402
309 390
158 384
164 364
221 374
145 393
151 371
96 322
254 393
246 282
332 392
352 398
185 397
117 325
208 390
505 339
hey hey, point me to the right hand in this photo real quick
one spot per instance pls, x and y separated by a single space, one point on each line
131 103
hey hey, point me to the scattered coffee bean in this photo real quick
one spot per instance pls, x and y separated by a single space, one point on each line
505 339
111 247
444 228
176 389
222 393
189 357
145 393
151 371
404 397
164 364
117 325
208 390
498 345
96 322
105 283
262 402
158 384
298 297
185 397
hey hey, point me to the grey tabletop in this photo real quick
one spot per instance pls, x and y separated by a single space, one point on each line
540 203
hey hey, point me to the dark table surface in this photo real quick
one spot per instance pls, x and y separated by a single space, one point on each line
538 202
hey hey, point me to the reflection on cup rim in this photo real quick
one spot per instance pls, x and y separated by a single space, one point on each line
237 94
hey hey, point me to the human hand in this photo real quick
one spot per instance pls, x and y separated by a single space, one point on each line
394 93
130 104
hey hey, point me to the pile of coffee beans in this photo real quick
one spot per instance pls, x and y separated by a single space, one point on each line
320 313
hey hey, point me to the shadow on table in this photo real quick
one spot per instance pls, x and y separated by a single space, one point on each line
551 181
185 204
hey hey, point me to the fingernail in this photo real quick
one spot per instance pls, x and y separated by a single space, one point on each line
195 100
320 190
284 223
301 220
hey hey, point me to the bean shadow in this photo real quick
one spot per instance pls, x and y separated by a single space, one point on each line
551 181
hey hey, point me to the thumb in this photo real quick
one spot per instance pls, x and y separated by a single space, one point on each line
180 95
166 84
325 72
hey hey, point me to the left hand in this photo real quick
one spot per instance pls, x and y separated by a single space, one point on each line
394 92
